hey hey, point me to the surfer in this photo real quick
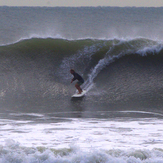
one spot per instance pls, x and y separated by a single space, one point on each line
79 78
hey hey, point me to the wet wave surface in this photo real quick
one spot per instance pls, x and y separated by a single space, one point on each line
118 73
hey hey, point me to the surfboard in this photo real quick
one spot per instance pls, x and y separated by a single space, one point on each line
79 95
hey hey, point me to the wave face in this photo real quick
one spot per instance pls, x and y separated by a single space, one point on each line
118 73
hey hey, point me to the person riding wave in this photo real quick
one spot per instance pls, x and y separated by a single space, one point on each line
79 78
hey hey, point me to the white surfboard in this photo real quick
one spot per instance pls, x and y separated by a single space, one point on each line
79 95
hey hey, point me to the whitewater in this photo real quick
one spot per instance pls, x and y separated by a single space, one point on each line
119 53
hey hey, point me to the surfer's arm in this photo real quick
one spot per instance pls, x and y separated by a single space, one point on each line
73 79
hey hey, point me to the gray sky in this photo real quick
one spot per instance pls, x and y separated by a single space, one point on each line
121 3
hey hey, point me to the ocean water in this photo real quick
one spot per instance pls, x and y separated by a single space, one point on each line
119 53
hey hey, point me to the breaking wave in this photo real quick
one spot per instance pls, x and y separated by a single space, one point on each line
115 71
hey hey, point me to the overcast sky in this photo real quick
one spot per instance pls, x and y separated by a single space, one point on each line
52 3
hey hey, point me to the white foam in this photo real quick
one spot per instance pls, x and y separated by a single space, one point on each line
152 49
13 152
82 140
105 134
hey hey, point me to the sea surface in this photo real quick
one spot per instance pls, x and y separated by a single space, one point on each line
119 53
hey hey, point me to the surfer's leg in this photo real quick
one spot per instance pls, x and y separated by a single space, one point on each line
78 88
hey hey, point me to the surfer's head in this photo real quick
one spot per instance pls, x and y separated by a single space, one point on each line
72 71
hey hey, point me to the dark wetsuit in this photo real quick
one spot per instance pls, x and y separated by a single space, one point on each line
78 77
